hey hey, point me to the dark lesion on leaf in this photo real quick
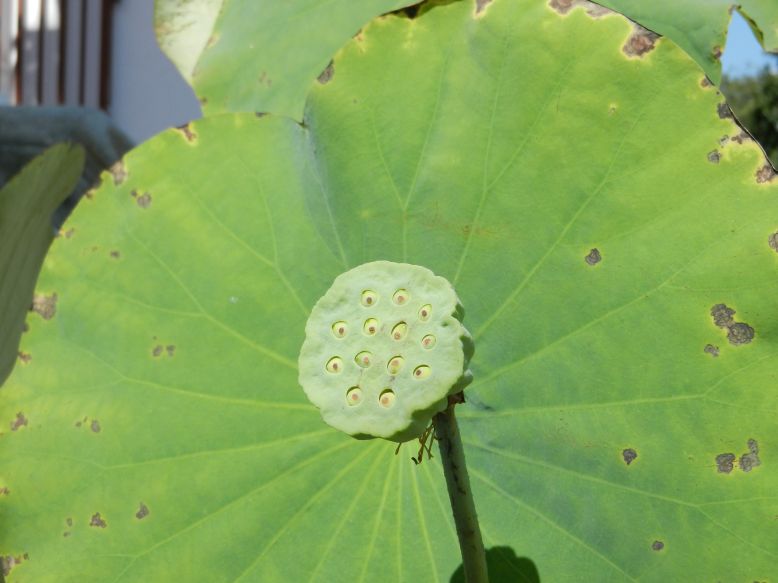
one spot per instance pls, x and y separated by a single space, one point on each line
725 463
19 422
119 173
480 5
98 521
187 131
95 426
657 545
8 562
765 174
143 511
714 157
640 42
594 257
326 75
45 306
750 460
724 111
562 6
737 332
706 82
629 455
25 357
712 350
143 200
772 241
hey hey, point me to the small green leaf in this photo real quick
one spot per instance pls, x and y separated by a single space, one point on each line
27 203
258 55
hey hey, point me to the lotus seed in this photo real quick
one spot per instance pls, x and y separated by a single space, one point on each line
369 298
370 327
421 372
399 331
424 312
395 364
334 365
387 398
364 359
428 341
354 396
339 329
400 297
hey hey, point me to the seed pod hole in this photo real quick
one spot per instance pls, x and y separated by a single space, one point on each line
428 341
395 364
370 327
386 398
334 365
421 372
400 297
364 359
369 298
354 396
339 329
399 331
425 312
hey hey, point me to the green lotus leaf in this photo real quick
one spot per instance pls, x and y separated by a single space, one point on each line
258 55
27 203
612 238
698 26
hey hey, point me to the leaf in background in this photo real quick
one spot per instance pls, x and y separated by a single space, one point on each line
613 239
27 203
699 26
258 55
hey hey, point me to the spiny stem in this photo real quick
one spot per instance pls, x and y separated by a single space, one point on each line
462 504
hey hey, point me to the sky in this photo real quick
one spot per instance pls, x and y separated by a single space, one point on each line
743 55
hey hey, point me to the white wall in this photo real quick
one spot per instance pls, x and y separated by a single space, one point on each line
147 93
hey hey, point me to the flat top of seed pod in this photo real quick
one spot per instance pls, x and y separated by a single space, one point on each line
384 348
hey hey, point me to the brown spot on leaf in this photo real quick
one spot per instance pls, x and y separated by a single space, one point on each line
157 350
325 76
115 254
143 511
45 306
705 82
187 132
741 137
657 545
4 491
144 200
69 521
740 333
69 233
724 111
264 79
594 257
171 349
772 240
19 422
8 562
596 10
750 460
95 426
722 315
25 357
640 42
712 350
561 6
119 173
717 52
725 462
98 521
260 113
629 455
765 174
480 5
714 157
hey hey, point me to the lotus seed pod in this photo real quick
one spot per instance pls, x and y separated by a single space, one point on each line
383 350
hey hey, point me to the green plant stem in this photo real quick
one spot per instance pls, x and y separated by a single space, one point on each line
453 455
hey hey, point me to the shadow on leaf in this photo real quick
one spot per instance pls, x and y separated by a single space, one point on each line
504 567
